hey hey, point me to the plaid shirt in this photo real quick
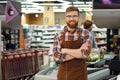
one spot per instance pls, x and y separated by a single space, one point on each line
69 36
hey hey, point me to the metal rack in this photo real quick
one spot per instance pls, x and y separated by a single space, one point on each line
21 63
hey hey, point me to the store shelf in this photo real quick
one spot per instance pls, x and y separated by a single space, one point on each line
48 37
48 32
47 41
101 43
100 29
42 36
100 36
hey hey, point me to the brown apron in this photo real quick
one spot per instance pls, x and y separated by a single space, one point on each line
74 69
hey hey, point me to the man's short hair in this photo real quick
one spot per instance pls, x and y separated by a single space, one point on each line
72 8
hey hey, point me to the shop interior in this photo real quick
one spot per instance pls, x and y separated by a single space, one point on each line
27 29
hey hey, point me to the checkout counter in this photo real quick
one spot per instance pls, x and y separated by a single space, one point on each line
50 73
98 72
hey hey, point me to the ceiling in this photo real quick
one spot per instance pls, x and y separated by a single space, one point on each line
105 18
37 6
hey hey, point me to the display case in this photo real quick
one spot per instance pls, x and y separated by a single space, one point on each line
100 37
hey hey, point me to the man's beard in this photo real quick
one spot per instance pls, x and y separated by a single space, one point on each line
72 25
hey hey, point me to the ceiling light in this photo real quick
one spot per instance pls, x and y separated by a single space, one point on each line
36 15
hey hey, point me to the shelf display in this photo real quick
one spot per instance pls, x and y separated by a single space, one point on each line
41 36
48 36
2 43
11 39
94 55
111 33
14 38
100 43
100 37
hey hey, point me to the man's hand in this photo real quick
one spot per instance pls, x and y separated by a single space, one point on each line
68 57
86 48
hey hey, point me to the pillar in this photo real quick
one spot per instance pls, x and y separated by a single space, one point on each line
88 15
21 38
48 16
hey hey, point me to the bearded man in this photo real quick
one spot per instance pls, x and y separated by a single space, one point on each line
71 47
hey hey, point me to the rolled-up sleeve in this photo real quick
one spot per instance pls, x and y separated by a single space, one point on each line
86 46
58 55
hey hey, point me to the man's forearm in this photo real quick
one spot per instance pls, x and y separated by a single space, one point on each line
76 53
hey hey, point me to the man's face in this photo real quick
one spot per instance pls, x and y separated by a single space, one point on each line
72 19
